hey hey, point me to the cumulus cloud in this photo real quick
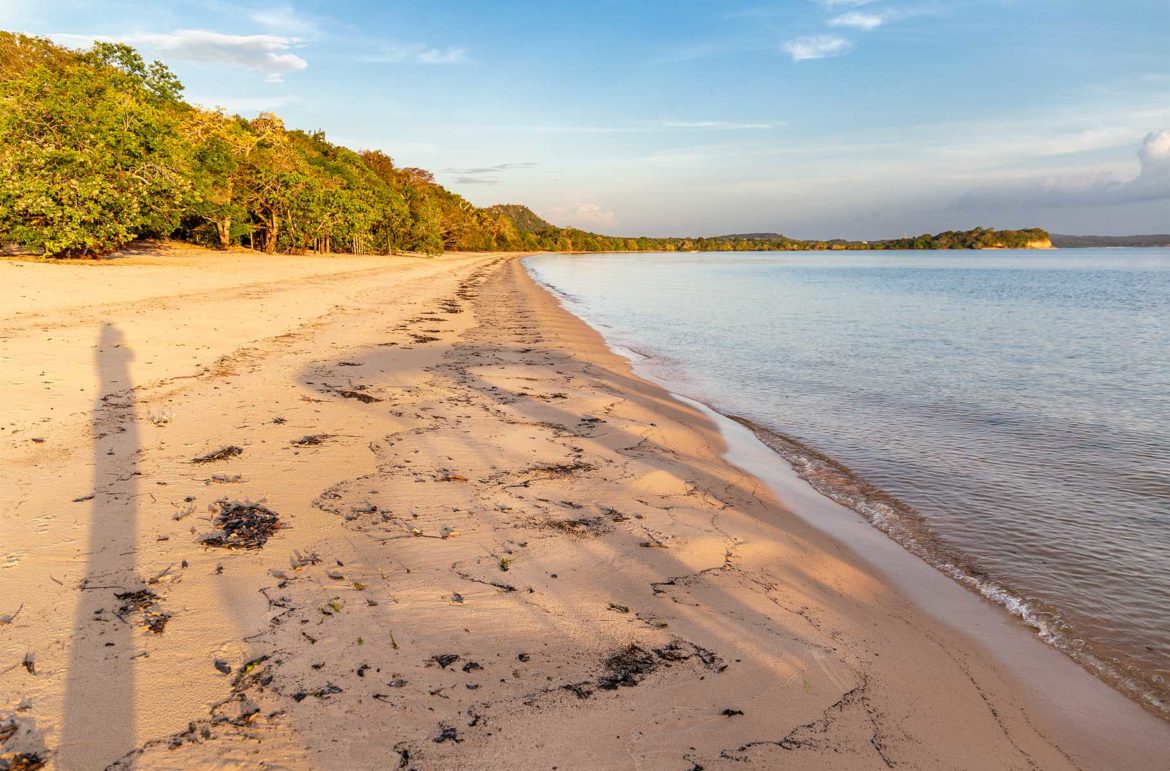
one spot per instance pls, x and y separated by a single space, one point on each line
268 54
417 53
857 20
817 47
1152 183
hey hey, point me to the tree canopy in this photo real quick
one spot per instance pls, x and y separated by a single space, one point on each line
98 149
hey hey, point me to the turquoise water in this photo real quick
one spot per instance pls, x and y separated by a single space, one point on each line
1004 415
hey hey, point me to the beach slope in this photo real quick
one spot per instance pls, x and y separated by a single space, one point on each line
378 512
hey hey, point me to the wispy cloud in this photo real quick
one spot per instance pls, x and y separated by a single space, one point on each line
584 215
268 54
817 47
487 175
495 169
719 125
648 127
416 53
287 20
857 20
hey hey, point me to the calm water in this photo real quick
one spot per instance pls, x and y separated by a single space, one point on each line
1005 415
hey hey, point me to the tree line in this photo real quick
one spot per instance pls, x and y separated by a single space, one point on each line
98 149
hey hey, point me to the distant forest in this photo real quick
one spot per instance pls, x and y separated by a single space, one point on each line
1082 242
98 149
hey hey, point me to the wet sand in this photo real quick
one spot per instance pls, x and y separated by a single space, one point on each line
495 546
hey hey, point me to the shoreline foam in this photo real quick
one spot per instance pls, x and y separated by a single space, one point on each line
911 529
904 526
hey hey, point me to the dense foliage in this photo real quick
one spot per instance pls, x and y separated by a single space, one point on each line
97 149
1084 242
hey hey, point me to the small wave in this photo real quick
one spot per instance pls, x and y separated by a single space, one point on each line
910 529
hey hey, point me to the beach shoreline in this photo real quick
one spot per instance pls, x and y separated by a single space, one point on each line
525 554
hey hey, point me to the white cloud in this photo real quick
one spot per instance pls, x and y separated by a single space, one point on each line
268 54
1152 183
285 19
817 47
417 53
857 20
585 216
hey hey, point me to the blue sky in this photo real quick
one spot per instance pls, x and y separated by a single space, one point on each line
816 118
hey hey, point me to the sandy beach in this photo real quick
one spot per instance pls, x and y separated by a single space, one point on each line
394 512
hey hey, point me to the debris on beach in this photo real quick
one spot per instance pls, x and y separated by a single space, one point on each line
8 729
22 761
356 393
223 453
309 440
447 734
241 525
581 527
8 618
298 560
627 668
154 617
320 693
632 664
223 479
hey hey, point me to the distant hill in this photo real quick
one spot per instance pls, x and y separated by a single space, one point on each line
525 220
1082 242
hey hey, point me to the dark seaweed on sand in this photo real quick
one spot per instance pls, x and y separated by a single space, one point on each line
154 617
310 439
364 398
22 761
224 453
242 525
